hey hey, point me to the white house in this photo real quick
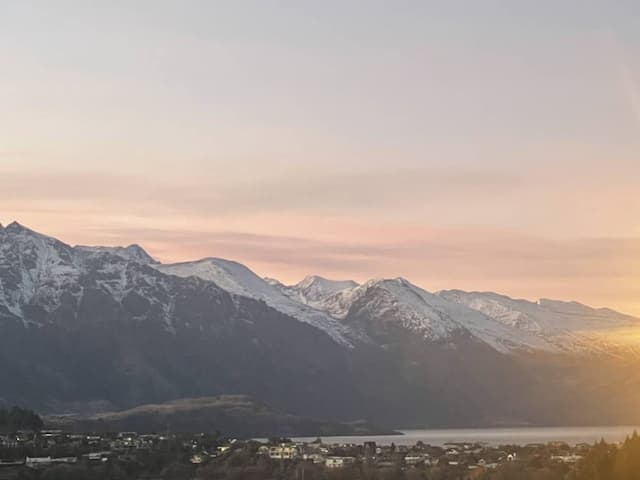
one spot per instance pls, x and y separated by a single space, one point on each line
284 451
37 462
338 462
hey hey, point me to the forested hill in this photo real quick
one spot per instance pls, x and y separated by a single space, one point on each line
16 418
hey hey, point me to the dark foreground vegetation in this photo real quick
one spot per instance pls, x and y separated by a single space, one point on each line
16 418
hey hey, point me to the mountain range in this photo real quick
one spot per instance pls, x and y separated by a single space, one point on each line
90 329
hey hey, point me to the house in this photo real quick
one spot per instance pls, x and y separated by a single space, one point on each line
128 439
415 459
68 460
314 457
222 449
339 462
50 438
198 458
8 442
38 462
24 436
96 457
284 451
573 458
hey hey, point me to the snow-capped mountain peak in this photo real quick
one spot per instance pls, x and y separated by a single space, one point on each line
314 288
15 228
240 280
39 274
227 274
33 268
325 285
397 302
570 326
320 293
133 252
273 282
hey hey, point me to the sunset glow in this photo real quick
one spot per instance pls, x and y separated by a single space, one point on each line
460 149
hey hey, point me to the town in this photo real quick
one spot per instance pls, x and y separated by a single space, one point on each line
55 454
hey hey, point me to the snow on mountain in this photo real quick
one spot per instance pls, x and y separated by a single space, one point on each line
320 293
314 287
40 274
274 283
37 271
397 302
568 325
34 268
240 280
133 252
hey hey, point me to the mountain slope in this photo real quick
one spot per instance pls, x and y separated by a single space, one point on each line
506 324
315 291
106 328
569 326
78 328
133 252
35 270
380 304
238 279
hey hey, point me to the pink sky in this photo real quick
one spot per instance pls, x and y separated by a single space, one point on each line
458 148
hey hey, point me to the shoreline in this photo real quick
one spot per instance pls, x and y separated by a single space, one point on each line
490 436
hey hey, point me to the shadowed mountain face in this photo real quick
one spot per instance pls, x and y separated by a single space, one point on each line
84 326
109 328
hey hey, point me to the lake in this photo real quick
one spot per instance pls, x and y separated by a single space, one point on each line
491 436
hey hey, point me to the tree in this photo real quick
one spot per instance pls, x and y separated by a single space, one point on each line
16 418
598 464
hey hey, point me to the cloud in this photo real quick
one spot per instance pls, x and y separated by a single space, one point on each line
306 190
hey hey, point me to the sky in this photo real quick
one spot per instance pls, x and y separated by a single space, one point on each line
489 145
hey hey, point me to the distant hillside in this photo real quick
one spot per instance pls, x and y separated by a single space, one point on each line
230 415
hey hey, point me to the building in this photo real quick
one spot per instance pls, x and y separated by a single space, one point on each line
198 458
284 451
571 458
313 457
38 462
416 459
8 442
339 462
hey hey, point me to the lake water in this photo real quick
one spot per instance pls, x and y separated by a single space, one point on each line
491 436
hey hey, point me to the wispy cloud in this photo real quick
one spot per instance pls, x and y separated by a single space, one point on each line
309 190
361 225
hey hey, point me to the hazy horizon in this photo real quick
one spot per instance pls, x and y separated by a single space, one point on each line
489 147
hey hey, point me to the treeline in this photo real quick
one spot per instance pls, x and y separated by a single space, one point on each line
609 462
604 461
16 418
